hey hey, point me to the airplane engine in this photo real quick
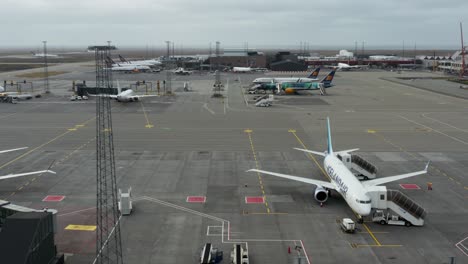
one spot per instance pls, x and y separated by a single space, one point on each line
321 195
289 91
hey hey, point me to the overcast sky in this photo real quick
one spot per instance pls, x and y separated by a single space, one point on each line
428 23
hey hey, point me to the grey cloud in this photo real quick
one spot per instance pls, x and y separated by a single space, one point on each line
138 22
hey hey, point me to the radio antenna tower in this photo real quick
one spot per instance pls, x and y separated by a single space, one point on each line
108 240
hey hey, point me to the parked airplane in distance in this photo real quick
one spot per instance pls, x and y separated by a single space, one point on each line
342 180
22 174
347 67
127 96
313 76
42 55
242 69
152 62
294 87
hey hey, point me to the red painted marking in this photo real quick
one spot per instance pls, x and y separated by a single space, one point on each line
196 199
254 199
53 198
409 186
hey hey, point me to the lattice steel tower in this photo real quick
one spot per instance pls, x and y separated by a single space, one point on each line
108 241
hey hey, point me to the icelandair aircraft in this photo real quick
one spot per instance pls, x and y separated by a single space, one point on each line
294 87
313 76
342 179
21 174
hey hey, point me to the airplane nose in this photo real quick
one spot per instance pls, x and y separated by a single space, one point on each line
365 211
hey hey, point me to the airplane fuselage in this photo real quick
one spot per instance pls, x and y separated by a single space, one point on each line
126 96
347 185
283 80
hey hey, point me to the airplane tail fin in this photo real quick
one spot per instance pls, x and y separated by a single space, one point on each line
327 80
109 59
122 58
329 139
314 74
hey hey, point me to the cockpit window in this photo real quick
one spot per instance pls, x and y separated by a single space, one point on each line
363 201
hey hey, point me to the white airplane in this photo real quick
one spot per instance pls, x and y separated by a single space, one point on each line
130 68
42 55
347 67
22 174
242 69
152 62
127 95
342 180
311 78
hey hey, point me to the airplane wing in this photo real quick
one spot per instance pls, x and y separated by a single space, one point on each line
25 174
113 96
8 150
346 151
295 178
311 151
394 178
146 95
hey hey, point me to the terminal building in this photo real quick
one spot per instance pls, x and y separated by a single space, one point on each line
240 58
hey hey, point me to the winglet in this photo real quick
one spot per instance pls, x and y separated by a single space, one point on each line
427 165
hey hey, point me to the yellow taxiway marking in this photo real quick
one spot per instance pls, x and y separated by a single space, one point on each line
148 124
362 245
370 131
40 146
260 180
72 129
81 227
372 235
309 154
257 213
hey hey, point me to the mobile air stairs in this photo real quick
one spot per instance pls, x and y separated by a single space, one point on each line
394 207
363 169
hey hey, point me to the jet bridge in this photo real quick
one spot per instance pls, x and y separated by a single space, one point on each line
363 169
397 203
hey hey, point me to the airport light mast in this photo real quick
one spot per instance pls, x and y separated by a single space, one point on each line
46 69
462 71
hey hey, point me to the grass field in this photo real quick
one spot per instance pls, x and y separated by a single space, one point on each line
39 74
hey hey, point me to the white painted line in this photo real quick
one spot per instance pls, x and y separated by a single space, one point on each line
462 247
208 230
435 130
208 109
223 222
75 212
437 120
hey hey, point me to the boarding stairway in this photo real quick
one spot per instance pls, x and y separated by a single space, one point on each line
266 100
402 205
363 169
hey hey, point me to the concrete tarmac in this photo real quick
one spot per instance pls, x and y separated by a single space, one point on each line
173 147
